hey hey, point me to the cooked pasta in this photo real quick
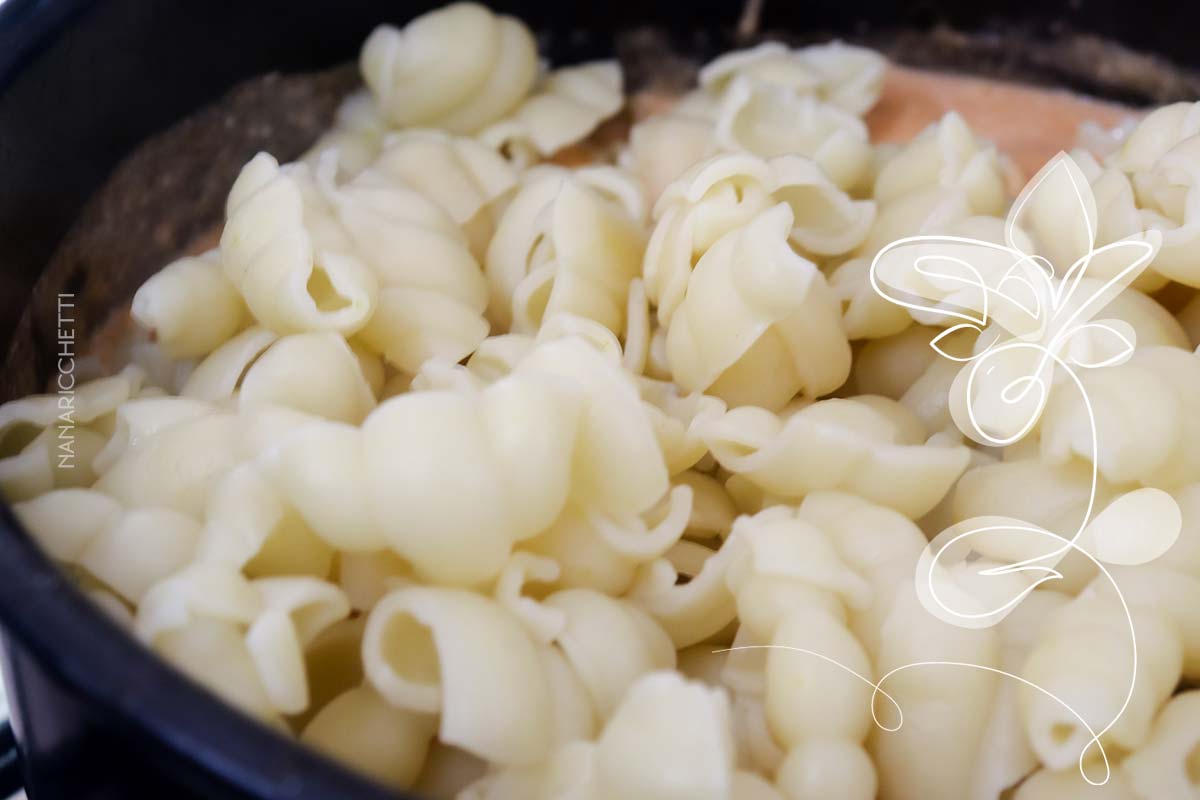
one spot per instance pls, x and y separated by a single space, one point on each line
563 245
537 437
566 106
457 68
758 324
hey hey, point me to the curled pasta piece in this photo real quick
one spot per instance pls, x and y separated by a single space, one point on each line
849 77
219 376
464 177
601 552
189 306
836 444
509 448
315 373
295 274
433 292
1085 659
892 365
52 441
357 135
176 466
669 738
726 192
457 68
690 611
880 544
128 551
140 548
199 590
566 106
1165 195
1165 765
618 468
563 245
663 147
791 588
65 521
456 653
769 120
542 623
1156 133
758 323
1146 426
320 471
411 326
944 178
296 610
609 644
362 730
672 414
249 526
910 635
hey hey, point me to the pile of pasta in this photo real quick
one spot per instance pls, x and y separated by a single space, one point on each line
495 478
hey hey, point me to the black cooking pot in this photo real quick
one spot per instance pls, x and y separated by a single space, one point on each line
82 84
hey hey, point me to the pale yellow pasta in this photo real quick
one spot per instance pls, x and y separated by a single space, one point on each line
673 415
1155 135
790 586
758 324
456 653
880 544
321 471
603 552
176 466
1005 755
250 527
140 548
65 521
464 177
827 768
618 467
608 643
292 268
315 373
424 452
668 739
52 441
564 244
691 611
496 479
1165 766
190 306
363 731
663 147
1085 659
770 120
458 68
219 375
860 449
1069 784
953 730
892 365
212 652
295 611
849 77
726 192
565 106
357 135
1146 424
